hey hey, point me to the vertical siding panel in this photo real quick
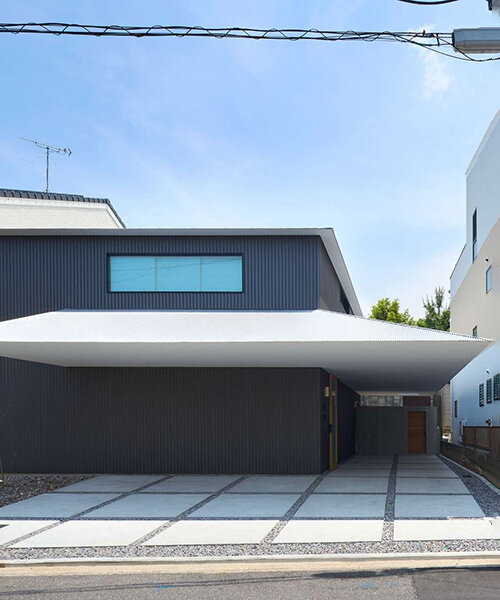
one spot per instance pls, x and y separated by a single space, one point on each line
179 420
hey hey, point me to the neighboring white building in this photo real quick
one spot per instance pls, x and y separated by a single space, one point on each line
475 290
21 209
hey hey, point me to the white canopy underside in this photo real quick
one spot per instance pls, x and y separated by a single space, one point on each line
365 354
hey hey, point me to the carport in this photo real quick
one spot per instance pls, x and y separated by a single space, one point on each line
215 392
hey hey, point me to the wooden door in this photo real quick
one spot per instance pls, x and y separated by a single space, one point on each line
416 432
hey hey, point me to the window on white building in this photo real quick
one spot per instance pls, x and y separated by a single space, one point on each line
489 390
481 394
474 235
474 331
496 387
489 280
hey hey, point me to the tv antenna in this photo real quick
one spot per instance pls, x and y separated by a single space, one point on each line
48 149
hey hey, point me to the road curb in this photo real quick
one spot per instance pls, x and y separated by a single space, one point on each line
334 562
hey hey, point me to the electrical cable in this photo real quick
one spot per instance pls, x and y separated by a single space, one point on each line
440 43
429 3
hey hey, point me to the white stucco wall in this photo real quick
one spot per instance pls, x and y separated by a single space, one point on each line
26 213
483 194
470 305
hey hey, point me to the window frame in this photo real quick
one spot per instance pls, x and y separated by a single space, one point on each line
489 391
481 394
474 235
489 279
496 386
110 255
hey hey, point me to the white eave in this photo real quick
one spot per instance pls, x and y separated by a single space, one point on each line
363 353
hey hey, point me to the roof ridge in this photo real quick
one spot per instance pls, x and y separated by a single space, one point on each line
59 196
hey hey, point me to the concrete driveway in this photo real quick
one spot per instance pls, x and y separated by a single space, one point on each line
375 502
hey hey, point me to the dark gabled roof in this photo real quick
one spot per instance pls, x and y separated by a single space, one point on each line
6 193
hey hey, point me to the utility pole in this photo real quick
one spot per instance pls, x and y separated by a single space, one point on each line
48 149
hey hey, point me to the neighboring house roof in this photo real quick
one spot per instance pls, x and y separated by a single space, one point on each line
365 354
33 195
326 234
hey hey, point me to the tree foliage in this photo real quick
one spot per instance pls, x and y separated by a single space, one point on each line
389 310
437 312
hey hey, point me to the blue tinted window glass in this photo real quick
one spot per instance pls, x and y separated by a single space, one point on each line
178 274
132 274
221 274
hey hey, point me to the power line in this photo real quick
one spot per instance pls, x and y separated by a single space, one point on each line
437 42
428 2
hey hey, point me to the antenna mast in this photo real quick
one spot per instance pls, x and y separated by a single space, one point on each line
48 149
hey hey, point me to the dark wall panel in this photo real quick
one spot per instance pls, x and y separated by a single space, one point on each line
41 274
136 420
346 415
329 283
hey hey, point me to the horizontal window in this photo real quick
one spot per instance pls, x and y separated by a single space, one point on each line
176 273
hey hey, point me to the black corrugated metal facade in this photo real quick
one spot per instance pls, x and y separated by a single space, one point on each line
126 420
44 273
54 419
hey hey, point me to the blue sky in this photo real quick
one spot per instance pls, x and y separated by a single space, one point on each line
370 139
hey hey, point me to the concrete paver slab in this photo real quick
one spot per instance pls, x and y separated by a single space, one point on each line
186 533
111 483
455 529
192 483
426 473
436 506
417 457
11 530
426 466
147 506
362 485
365 466
372 457
54 506
342 506
247 505
273 483
345 472
90 533
296 532
409 485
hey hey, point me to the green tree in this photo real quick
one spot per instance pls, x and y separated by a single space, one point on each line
389 310
437 312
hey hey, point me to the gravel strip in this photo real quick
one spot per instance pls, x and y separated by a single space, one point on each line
21 487
187 512
291 512
390 501
486 498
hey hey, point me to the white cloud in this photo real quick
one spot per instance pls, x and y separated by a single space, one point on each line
436 78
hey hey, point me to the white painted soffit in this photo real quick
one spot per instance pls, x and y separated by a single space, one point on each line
363 353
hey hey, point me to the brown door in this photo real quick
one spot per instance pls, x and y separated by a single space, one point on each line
416 432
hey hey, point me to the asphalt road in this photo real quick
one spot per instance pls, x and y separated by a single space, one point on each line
452 584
